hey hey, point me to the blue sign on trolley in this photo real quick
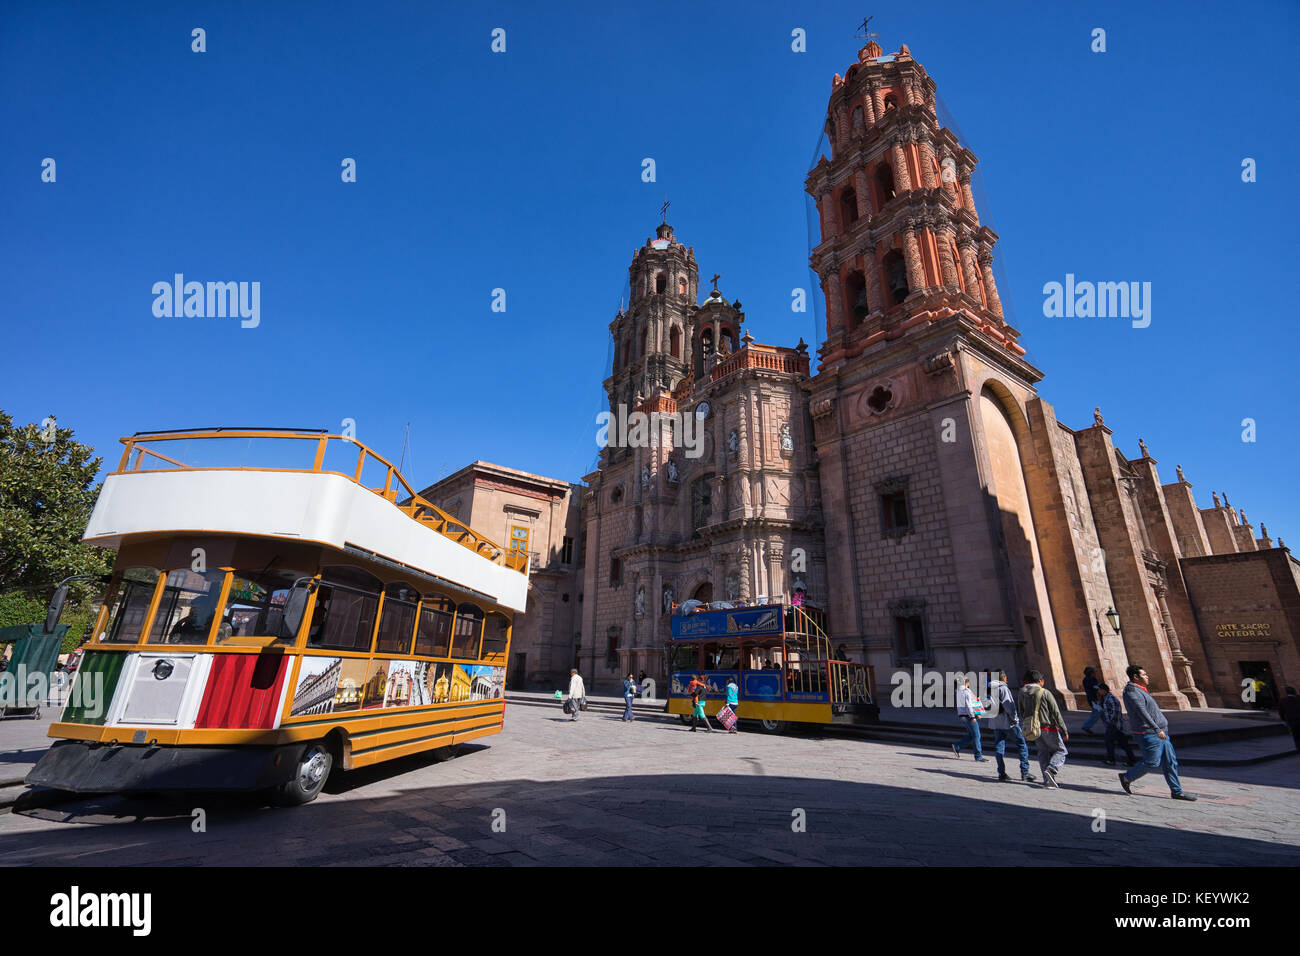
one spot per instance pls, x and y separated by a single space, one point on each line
741 622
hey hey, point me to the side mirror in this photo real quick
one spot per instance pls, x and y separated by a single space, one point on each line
56 608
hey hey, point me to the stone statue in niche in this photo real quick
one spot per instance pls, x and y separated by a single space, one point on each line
787 440
733 586
673 475
645 476
668 598
733 443
640 601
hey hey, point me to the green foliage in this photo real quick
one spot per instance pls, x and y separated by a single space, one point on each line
47 491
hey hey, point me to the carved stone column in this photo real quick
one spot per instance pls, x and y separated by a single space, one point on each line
968 197
902 179
912 255
877 101
834 303
990 288
966 250
871 271
863 191
927 163
947 264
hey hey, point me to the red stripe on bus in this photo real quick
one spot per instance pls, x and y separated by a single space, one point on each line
243 691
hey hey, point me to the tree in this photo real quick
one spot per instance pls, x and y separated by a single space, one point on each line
47 491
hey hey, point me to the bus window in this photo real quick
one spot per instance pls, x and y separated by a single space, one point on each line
683 657
433 636
346 604
188 605
728 657
397 620
256 604
130 605
495 632
468 631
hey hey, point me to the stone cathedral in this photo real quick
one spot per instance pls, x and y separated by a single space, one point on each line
908 478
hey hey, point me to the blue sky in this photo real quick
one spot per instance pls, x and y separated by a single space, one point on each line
522 171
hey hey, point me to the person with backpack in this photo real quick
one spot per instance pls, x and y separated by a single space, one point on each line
969 709
1113 716
629 695
1006 726
1150 727
1042 722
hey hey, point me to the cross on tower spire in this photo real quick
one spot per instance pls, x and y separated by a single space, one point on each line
716 277
663 210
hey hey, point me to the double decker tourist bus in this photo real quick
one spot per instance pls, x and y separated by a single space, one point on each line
282 603
781 659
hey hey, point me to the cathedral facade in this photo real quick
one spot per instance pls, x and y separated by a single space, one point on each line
913 483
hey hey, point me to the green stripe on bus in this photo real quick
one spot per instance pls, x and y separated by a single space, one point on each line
90 706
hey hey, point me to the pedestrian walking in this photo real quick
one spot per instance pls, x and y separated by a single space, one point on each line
1151 729
1042 723
629 695
1006 726
1289 711
969 711
1112 713
577 693
697 689
733 701
1090 685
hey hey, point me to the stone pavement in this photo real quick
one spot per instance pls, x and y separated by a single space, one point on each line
598 791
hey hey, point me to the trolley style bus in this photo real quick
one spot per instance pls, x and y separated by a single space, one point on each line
781 659
282 603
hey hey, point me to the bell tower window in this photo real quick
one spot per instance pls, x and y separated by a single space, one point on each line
661 283
675 342
855 299
884 183
896 276
848 206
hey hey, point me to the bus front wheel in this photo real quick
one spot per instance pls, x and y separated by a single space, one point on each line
772 726
314 765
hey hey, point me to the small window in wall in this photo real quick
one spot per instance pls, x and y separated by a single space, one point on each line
518 539
675 340
615 572
566 551
895 515
910 635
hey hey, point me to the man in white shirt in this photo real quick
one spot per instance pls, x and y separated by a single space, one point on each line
577 692
966 711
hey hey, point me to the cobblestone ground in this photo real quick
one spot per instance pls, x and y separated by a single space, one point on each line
598 791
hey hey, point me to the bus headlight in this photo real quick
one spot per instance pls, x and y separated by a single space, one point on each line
163 670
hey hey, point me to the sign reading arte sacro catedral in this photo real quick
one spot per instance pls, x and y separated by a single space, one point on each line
1238 632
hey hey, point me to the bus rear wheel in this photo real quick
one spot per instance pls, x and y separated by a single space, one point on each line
772 726
309 776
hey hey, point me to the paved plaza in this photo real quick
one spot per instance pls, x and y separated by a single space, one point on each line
601 792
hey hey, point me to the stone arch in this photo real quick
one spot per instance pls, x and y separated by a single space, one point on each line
1006 448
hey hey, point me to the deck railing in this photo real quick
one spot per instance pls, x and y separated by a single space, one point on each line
218 449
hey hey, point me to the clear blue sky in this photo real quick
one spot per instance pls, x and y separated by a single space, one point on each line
522 171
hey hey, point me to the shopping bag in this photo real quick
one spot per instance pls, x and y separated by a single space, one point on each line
727 717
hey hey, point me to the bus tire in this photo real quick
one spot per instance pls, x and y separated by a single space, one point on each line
684 718
313 769
772 726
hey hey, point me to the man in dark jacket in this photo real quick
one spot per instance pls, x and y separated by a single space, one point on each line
1149 726
1113 716
1006 726
1090 685
1289 711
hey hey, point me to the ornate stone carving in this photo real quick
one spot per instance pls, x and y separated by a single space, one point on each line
938 362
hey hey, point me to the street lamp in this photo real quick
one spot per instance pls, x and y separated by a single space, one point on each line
1112 616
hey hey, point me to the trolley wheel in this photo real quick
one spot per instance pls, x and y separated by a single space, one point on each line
772 726
684 718
308 779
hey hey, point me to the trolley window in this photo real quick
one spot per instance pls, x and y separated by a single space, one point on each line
397 619
468 631
433 637
130 605
259 605
188 605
